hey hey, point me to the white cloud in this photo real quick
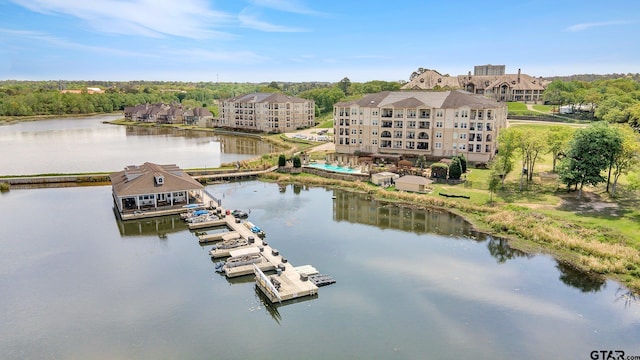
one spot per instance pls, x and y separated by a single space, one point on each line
585 26
251 21
290 6
62 43
152 18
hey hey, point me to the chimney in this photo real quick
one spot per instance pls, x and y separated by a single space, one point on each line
518 76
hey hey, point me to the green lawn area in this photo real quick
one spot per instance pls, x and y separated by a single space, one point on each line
518 108
543 108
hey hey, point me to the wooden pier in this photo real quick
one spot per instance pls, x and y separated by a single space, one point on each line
287 283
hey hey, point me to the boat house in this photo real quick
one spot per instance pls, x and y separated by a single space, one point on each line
156 188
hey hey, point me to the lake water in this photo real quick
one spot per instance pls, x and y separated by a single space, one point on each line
76 283
71 145
411 284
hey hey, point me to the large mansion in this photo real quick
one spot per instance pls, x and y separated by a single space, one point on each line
267 112
414 123
487 80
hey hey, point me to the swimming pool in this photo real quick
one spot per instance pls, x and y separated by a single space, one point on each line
341 169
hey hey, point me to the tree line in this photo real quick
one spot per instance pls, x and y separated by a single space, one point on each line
28 98
610 100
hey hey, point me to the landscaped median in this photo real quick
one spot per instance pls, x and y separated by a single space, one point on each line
597 250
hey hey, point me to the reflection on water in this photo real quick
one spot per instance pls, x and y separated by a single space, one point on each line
78 283
78 145
586 282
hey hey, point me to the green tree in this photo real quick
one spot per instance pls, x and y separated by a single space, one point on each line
463 163
557 142
455 170
344 85
531 144
494 181
628 157
590 152
282 160
507 145
296 162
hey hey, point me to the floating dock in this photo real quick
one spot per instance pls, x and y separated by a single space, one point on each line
257 257
221 236
212 222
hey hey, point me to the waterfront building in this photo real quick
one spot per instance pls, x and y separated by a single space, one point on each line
169 114
488 80
413 123
266 112
153 187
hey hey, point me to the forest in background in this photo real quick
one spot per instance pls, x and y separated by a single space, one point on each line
33 98
608 98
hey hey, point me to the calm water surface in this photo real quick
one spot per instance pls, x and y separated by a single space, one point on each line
411 284
69 145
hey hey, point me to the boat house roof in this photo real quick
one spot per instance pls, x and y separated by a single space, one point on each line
150 178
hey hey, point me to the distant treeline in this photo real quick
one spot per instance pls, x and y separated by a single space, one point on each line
594 77
28 98
612 100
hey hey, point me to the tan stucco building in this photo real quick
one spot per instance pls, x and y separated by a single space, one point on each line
414 123
496 84
267 112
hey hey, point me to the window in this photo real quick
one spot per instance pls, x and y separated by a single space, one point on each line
399 113
353 141
374 132
463 125
455 125
463 136
465 113
438 135
411 124
354 131
438 124
454 146
438 145
439 113
478 147
374 113
463 146
411 113
374 122
374 142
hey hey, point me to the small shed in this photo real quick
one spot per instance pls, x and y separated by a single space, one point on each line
384 178
413 183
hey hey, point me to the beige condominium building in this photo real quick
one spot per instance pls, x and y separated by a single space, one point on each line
488 80
267 112
413 123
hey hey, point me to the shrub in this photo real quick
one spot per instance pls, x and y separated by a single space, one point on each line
439 170
282 160
4 186
455 169
463 163
296 162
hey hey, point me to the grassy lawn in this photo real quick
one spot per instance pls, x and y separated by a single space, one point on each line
543 108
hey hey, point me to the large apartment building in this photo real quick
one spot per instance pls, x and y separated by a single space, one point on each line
414 123
267 112
488 80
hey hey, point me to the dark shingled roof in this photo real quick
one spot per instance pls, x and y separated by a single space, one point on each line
140 180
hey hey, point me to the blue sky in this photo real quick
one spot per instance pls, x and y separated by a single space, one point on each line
311 40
